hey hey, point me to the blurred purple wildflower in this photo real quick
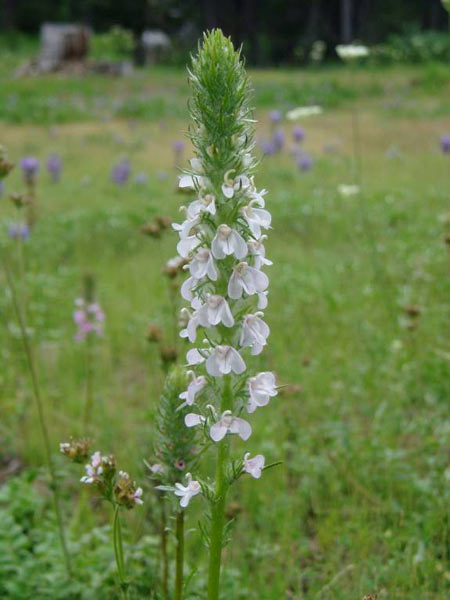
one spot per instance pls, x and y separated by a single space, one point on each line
275 116
298 133
54 167
19 230
30 167
141 178
121 172
445 143
178 147
2 188
89 318
278 140
304 162
267 148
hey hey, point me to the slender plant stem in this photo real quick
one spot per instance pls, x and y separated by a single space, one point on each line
218 504
89 383
179 556
40 411
165 558
118 552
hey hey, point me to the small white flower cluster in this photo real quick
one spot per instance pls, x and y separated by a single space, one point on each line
351 51
222 242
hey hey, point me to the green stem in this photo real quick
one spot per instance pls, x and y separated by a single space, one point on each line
118 552
89 381
218 504
41 416
179 556
165 559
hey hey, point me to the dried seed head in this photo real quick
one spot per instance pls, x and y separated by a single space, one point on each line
163 222
76 449
126 492
154 333
151 229
413 310
168 354
19 200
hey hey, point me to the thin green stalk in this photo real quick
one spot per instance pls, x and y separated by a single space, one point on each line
89 382
40 411
179 559
164 555
118 552
218 505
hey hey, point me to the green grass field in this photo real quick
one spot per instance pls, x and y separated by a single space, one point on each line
360 504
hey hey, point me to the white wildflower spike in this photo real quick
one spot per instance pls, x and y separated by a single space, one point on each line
230 424
202 265
254 332
206 204
187 492
246 279
228 242
257 250
195 386
253 466
261 389
256 218
224 360
232 185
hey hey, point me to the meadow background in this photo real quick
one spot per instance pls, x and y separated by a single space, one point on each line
361 502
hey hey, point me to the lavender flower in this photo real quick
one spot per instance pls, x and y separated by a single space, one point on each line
275 116
304 162
121 172
267 148
89 318
19 230
178 147
30 167
278 140
445 143
298 134
54 167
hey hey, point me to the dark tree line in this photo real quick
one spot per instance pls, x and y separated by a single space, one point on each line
271 30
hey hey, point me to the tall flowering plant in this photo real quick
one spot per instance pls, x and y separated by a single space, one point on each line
222 240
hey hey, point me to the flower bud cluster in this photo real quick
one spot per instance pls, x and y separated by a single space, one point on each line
115 486
222 241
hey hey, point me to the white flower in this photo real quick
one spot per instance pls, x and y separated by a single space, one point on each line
193 357
202 264
246 279
186 288
194 387
193 419
137 496
187 182
63 446
254 466
186 245
187 492
303 112
215 310
230 424
347 190
254 332
262 300
93 469
156 468
256 218
190 330
185 228
227 241
351 51
223 360
196 165
261 388
230 185
256 248
206 203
